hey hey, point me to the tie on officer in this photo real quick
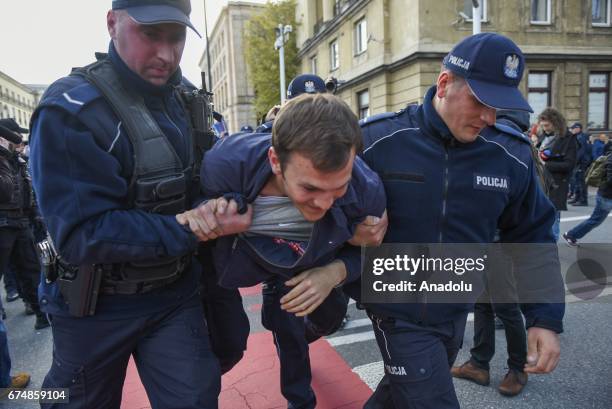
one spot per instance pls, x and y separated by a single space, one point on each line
436 156
113 163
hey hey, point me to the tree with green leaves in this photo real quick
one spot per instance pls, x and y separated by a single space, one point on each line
262 58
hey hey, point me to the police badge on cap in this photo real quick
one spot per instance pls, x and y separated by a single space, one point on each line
309 87
511 69
305 84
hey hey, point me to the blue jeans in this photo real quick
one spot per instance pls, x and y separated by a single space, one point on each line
5 358
603 207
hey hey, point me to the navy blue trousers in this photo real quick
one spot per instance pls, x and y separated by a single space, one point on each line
292 335
417 362
171 350
17 248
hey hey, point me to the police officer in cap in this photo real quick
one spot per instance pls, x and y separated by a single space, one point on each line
303 83
17 211
112 159
433 153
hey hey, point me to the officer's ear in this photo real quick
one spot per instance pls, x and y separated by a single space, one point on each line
444 80
274 161
112 18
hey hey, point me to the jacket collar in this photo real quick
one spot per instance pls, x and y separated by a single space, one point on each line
133 81
431 122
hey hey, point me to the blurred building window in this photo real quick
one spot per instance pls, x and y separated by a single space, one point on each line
334 55
467 9
541 11
363 104
601 12
313 64
361 36
599 100
538 92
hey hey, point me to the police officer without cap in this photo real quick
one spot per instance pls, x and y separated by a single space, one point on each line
113 164
430 155
16 215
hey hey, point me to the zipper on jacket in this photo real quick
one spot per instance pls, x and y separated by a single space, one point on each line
444 192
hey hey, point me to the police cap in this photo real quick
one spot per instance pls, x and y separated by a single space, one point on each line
492 66
157 11
10 130
305 83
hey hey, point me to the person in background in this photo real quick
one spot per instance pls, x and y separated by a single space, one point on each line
599 142
7 382
603 206
584 156
17 215
557 151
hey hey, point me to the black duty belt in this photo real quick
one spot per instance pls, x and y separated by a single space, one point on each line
116 279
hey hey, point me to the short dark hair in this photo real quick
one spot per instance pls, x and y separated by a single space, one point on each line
321 127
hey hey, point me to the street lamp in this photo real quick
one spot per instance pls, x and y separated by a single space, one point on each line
282 35
210 84
476 13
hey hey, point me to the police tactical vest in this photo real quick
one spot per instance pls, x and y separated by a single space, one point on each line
160 182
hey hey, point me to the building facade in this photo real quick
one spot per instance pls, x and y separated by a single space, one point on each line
387 53
18 100
230 83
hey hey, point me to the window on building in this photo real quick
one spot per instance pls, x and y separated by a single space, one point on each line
538 92
337 5
334 55
361 36
541 11
467 9
601 12
363 104
599 100
313 65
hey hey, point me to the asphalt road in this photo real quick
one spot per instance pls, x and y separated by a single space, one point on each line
583 378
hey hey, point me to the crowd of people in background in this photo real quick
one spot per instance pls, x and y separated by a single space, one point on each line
567 155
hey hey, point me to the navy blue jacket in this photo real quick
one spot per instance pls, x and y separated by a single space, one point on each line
239 164
584 155
81 163
433 195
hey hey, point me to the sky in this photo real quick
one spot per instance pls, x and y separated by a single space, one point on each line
41 40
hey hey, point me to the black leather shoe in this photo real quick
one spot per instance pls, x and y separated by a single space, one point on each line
12 295
41 322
